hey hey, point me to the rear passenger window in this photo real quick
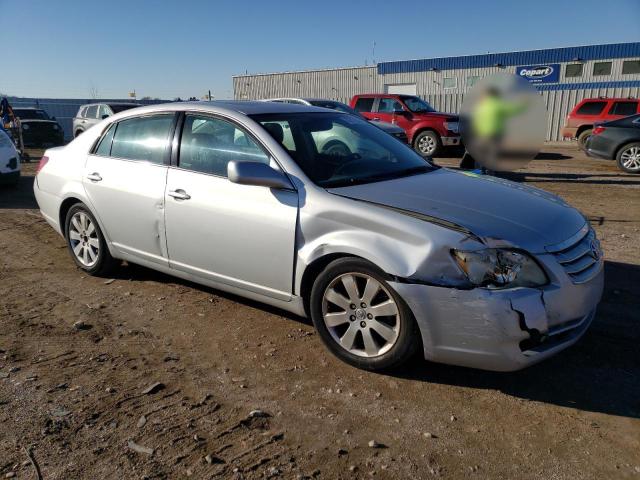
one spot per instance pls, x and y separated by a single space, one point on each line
208 144
104 147
364 105
142 138
591 108
623 108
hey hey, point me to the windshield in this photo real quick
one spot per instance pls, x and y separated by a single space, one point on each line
417 105
28 114
337 150
122 108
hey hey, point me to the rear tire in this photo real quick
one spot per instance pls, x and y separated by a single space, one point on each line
86 242
427 144
371 327
628 158
582 138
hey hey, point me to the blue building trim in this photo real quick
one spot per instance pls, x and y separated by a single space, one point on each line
585 85
531 57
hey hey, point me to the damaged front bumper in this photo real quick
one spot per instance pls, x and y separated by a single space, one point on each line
501 330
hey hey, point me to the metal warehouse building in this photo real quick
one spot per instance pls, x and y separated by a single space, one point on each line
564 76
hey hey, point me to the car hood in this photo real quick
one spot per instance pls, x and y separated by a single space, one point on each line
491 208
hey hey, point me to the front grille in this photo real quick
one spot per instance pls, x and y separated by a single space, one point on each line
580 255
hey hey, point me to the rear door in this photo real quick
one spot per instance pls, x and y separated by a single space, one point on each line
239 235
125 179
365 106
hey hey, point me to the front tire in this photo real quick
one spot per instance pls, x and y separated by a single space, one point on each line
360 318
86 242
427 144
628 158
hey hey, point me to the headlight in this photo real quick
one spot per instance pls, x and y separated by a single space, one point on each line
25 127
498 268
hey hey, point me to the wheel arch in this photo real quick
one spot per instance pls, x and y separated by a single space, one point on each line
316 266
66 205
582 128
421 129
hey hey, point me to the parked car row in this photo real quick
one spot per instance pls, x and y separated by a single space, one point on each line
93 113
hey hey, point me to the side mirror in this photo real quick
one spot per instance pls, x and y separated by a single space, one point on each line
400 112
106 115
256 173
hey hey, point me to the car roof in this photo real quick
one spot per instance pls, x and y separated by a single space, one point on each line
606 99
110 103
321 100
246 107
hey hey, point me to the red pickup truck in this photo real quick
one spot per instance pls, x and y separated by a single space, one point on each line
590 111
427 130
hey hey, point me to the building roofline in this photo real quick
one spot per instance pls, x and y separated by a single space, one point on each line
244 75
516 57
512 52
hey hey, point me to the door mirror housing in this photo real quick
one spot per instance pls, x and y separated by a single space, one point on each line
258 174
400 112
106 115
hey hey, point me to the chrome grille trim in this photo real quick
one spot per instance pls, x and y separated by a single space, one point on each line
580 255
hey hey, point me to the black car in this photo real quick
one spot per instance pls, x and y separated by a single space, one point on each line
617 140
38 129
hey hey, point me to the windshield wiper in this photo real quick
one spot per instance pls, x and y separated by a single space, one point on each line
378 177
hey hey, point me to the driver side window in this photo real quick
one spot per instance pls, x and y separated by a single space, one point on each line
208 144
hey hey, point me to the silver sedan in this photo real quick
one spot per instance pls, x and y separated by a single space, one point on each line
388 254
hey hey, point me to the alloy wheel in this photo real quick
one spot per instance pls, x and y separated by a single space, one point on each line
83 238
427 145
361 315
630 158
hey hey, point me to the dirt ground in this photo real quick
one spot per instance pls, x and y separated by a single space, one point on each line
247 391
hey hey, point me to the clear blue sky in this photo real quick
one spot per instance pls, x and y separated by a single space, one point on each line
63 48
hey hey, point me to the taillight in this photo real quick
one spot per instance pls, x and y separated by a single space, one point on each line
598 130
43 162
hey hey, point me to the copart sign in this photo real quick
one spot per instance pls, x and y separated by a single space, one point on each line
540 73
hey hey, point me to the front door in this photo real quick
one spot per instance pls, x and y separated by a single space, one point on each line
238 235
125 181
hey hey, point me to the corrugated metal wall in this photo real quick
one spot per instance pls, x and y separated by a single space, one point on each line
64 109
342 84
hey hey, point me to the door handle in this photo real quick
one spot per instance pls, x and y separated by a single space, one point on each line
94 177
179 194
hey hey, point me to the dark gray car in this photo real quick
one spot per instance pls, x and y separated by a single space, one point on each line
617 140
89 115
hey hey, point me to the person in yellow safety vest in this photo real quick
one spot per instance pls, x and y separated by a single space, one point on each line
488 124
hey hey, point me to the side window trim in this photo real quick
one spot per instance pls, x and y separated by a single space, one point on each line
104 133
175 160
168 148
